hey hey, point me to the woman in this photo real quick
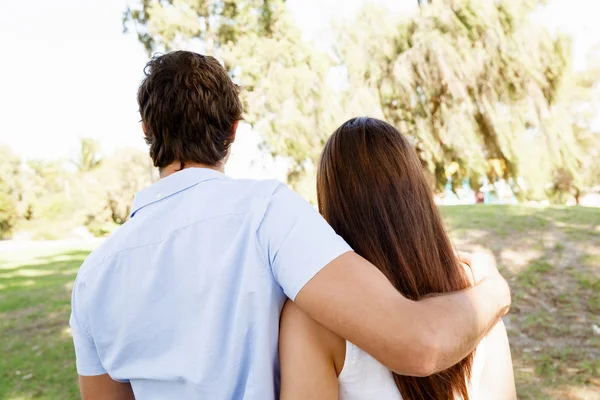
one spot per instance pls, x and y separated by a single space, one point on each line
372 190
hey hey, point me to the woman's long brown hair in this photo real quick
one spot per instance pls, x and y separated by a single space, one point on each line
372 190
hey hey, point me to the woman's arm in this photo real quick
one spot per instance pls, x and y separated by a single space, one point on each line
497 379
310 357
103 387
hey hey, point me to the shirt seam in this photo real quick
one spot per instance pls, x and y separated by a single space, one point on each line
90 365
302 281
257 240
287 235
135 210
106 258
83 327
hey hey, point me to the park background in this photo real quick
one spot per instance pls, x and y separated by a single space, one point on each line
499 97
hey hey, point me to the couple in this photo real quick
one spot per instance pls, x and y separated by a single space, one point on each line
218 288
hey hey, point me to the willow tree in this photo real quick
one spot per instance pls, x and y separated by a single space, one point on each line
472 81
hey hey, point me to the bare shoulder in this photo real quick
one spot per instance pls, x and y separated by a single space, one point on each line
297 328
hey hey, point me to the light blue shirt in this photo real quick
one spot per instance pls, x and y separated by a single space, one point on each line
184 299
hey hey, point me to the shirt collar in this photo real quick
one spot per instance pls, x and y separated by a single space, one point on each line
174 183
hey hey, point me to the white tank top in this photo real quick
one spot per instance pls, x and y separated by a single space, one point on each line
364 378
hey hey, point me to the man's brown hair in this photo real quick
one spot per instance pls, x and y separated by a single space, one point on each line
189 105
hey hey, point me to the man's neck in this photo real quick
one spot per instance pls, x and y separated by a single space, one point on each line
176 166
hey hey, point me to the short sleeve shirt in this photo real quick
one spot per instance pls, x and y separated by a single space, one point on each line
183 301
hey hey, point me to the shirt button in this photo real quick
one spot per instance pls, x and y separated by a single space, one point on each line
158 195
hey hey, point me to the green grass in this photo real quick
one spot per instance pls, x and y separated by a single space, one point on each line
534 274
551 257
37 353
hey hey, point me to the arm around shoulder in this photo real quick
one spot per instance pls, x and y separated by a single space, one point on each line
353 299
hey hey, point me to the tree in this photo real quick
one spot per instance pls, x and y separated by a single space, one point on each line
41 180
9 191
284 79
89 157
472 81
162 25
286 90
122 175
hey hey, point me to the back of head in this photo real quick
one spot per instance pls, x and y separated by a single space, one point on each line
189 106
372 190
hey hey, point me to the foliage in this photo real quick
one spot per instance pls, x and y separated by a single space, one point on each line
8 215
475 82
294 108
163 25
51 200
121 176
89 157
9 191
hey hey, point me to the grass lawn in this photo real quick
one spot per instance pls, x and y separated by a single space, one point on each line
551 257
37 352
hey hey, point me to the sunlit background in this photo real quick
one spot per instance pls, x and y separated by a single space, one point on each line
68 70
499 97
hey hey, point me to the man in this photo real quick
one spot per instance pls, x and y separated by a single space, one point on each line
183 301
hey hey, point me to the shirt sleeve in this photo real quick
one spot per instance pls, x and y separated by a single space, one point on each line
296 240
88 361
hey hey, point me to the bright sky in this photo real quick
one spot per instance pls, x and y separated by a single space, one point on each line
68 71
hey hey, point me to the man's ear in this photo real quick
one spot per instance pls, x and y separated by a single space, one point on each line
233 131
